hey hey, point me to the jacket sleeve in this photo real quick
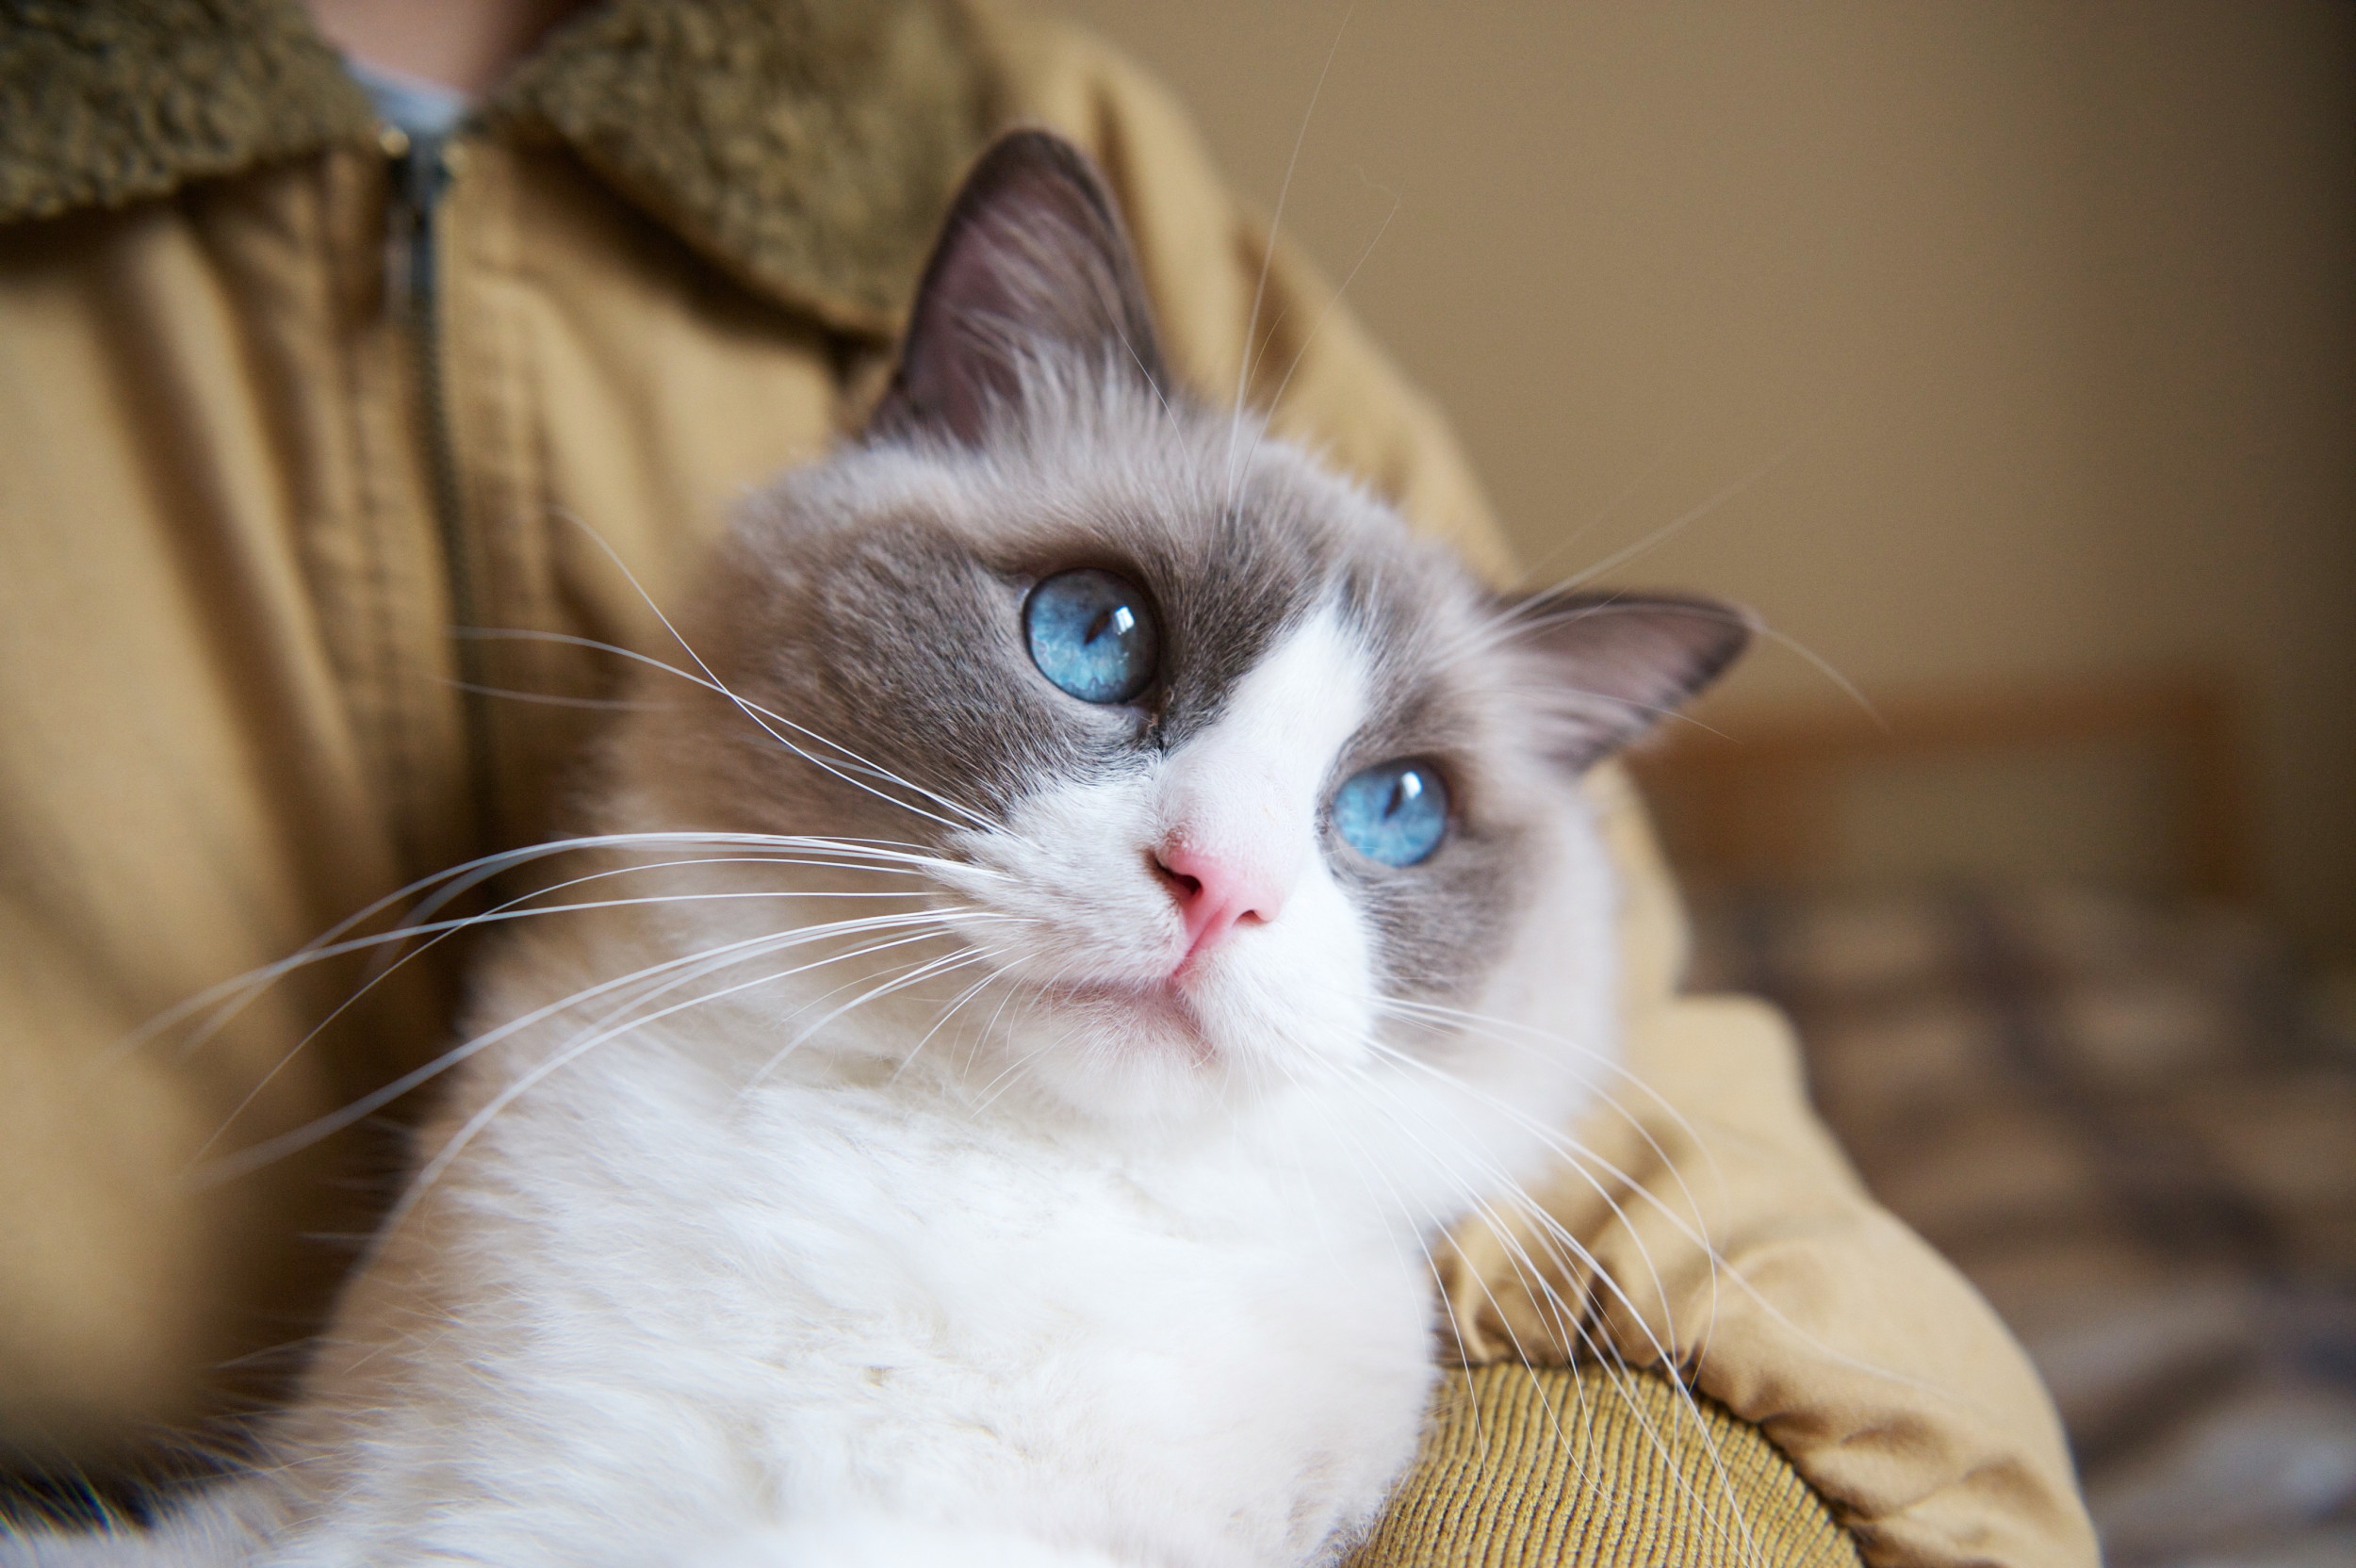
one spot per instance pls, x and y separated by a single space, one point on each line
1726 1237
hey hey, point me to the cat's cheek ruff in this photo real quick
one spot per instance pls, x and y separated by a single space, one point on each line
1089 911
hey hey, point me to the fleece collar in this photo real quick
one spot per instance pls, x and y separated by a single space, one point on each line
809 146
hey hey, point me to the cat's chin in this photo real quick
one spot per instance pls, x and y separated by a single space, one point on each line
1127 1053
1154 1021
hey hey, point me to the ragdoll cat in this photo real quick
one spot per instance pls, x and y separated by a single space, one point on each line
1102 901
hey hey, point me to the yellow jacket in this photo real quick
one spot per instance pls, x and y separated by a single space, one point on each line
270 430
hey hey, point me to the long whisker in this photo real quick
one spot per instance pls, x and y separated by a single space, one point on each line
762 717
232 1167
766 720
1682 521
1543 1042
555 699
1577 1159
951 1011
911 855
1824 667
1332 304
519 908
1494 1177
1534 1277
1722 1267
1620 498
236 991
1268 253
947 961
1574 1156
431 1170
1424 1219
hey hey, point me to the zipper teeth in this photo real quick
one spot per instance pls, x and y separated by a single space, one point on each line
423 171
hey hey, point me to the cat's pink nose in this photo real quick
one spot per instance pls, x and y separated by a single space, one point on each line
1216 893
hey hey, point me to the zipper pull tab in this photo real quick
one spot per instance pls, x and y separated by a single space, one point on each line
421 166
423 171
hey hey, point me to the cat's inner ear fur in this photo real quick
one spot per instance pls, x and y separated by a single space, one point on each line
1032 265
1614 664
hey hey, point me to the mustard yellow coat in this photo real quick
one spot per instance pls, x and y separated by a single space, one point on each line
252 476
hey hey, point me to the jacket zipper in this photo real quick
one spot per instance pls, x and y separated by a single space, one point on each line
423 169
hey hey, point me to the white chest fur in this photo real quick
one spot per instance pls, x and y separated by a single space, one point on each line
815 1304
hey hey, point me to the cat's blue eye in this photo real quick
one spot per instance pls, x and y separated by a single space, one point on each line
1093 635
1395 812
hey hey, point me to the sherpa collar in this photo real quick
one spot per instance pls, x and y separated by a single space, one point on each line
809 146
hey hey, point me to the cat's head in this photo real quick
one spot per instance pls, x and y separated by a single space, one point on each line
1226 781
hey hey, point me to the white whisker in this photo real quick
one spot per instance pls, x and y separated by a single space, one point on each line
431 1170
231 1166
949 961
764 719
1267 254
1532 1275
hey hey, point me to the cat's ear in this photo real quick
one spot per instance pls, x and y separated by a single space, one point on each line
1616 664
1032 265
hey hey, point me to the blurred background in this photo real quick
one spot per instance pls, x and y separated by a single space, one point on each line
2003 356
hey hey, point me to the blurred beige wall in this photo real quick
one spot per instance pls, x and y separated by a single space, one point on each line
2044 316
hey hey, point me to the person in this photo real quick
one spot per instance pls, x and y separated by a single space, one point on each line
326 334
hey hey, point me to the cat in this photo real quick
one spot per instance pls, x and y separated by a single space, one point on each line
1096 902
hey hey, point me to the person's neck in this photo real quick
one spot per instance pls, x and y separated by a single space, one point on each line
467 45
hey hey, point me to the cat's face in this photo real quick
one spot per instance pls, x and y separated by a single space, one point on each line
1216 766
